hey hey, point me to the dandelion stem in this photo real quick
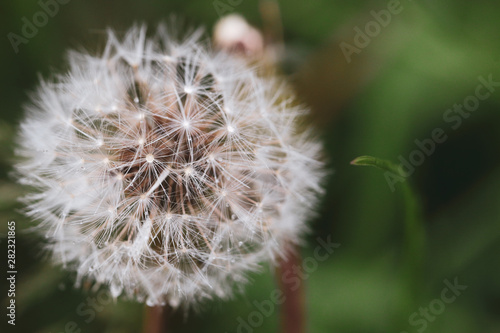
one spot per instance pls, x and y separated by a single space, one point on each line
155 319
293 308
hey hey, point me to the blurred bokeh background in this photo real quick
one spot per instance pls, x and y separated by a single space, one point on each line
372 95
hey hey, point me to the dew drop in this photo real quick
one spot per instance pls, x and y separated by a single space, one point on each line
115 290
174 302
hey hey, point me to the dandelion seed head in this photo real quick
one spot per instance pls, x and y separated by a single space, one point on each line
155 174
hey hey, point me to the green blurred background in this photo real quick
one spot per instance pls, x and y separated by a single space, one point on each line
394 91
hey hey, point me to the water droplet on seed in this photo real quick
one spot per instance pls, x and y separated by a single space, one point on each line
150 302
115 290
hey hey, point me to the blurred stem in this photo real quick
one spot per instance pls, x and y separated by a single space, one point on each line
272 28
414 226
415 239
271 18
292 287
155 319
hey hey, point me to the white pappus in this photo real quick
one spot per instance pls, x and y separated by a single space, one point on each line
164 170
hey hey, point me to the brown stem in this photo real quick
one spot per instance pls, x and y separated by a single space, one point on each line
292 285
155 319
273 25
